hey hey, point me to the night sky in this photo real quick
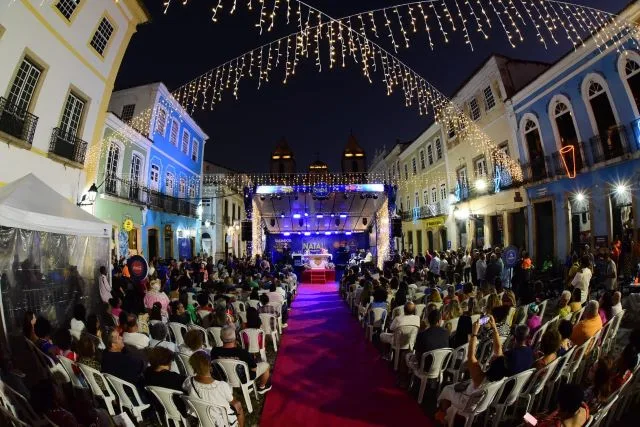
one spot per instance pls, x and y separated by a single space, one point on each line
315 112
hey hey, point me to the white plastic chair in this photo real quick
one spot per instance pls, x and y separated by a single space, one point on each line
418 297
255 342
47 363
120 386
478 402
254 303
436 360
177 331
375 320
171 412
205 336
514 384
531 396
404 338
398 311
269 324
612 330
107 395
19 407
573 363
537 336
451 325
230 369
239 307
456 363
213 333
542 308
599 417
184 358
278 307
209 414
520 318
68 365
8 419
577 316
419 309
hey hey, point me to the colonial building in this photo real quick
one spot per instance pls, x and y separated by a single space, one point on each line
59 63
282 159
577 127
222 215
488 205
168 181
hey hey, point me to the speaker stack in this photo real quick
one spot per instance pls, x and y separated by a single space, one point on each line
247 231
396 227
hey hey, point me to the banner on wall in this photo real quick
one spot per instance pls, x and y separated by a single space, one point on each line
184 248
279 245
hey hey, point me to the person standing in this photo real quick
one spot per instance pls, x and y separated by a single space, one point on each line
467 259
611 273
104 285
582 279
481 269
434 267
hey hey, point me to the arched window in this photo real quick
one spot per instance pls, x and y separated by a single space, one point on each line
631 74
564 125
113 166
607 143
533 142
182 189
169 184
155 177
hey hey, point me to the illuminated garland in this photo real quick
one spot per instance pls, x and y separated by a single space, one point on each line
383 234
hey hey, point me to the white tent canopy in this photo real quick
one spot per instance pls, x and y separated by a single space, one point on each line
30 204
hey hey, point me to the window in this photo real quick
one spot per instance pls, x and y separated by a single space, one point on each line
504 148
185 141
604 120
23 86
182 189
133 239
393 171
67 7
414 167
206 203
422 163
161 121
127 112
632 74
430 154
489 100
155 177
481 167
443 192
71 116
475 109
462 177
113 161
416 199
136 165
169 184
408 204
173 134
233 212
534 147
406 171
438 149
101 37
195 147
452 130
192 191
425 197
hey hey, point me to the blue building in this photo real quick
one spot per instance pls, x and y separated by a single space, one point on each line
170 222
577 127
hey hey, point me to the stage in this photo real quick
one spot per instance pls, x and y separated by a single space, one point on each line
318 276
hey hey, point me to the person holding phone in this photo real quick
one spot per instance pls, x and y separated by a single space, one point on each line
572 410
454 397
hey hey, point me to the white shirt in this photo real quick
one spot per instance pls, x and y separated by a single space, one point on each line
610 282
616 309
403 320
275 297
136 339
368 257
434 265
218 392
581 281
105 288
467 261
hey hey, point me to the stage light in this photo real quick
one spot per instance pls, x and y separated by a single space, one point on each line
296 216
282 215
272 222
262 197
364 221
337 222
343 215
301 222
580 197
317 233
348 233
481 184
306 214
286 234
327 233
319 216
279 197
621 189
307 233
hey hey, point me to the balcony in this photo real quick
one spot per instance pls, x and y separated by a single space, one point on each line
422 212
610 145
17 122
67 146
133 192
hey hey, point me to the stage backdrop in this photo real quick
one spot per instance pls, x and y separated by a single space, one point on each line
297 244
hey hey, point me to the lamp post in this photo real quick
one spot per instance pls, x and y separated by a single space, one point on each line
89 198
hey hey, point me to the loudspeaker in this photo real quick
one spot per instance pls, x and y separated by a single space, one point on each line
247 231
396 227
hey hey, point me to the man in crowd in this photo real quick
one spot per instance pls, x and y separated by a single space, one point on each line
117 361
434 337
408 319
590 324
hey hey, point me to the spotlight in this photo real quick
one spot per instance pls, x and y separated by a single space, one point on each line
272 222
262 197
301 222
319 216
306 214
621 189
364 221
337 222
343 215
286 234
580 197
307 233
348 233
332 215
296 216
282 215
327 233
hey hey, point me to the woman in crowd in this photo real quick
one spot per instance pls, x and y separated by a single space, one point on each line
178 313
583 278
533 319
365 295
572 410
464 325
202 386
78 321
601 376
565 329
62 340
549 345
564 310
492 302
379 298
253 319
193 341
155 295
606 305
576 300
452 310
434 297
28 323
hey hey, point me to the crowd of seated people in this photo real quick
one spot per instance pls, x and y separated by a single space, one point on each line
133 336
505 330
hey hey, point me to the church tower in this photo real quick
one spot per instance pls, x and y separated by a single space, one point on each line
282 159
354 159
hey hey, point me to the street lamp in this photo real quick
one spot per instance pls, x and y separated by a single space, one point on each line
89 198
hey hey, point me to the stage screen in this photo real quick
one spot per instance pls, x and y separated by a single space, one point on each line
277 244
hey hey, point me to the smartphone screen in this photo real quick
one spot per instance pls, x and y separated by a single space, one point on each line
483 320
530 419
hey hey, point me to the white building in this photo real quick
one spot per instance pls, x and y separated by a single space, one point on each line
222 215
59 63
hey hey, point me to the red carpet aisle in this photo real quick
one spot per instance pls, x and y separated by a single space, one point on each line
327 374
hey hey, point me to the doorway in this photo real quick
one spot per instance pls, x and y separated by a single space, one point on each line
410 241
479 239
545 242
430 240
517 227
497 231
168 242
580 224
152 243
419 241
443 239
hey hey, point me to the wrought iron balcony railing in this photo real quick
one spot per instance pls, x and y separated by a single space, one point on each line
133 191
17 122
67 145
422 212
614 143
